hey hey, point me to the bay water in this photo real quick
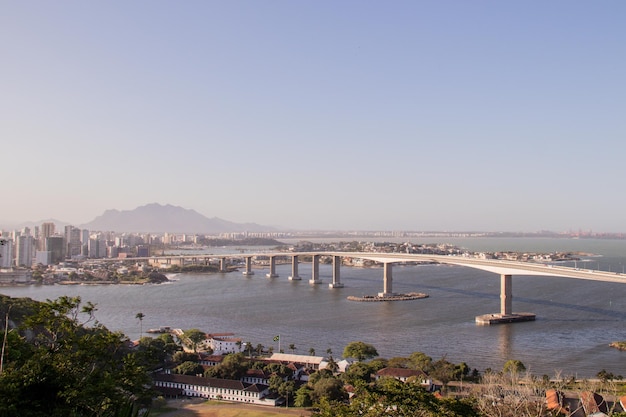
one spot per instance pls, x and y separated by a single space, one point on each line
576 319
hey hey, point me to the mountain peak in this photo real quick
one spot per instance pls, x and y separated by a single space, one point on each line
158 218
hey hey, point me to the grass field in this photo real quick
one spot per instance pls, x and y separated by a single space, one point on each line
201 408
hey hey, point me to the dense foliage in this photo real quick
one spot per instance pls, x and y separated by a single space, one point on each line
390 397
54 364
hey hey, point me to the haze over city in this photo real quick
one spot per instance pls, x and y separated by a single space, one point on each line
412 115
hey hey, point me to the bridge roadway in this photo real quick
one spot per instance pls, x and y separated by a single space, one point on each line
506 269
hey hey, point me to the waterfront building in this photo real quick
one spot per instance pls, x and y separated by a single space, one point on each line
223 343
16 276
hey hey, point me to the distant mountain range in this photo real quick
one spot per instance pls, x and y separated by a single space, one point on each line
157 218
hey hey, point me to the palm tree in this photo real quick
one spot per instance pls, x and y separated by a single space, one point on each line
140 316
259 349
312 352
333 366
292 347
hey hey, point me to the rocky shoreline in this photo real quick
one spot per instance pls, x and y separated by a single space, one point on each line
394 297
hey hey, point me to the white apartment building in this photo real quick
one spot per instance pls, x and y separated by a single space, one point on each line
24 251
6 253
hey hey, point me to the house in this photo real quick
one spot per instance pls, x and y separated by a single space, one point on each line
223 343
256 376
174 385
403 374
211 360
593 404
554 401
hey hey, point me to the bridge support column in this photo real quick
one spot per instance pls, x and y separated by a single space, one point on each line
506 306
223 265
387 280
336 273
272 273
315 270
294 269
248 270
506 295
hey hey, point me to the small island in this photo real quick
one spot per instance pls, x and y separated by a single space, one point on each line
392 297
619 345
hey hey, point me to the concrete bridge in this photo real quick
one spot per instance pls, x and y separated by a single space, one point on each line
506 270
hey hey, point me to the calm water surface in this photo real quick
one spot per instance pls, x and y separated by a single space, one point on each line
576 319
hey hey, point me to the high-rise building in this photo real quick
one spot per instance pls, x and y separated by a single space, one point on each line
42 257
97 247
84 241
6 252
24 251
54 245
47 230
72 241
143 251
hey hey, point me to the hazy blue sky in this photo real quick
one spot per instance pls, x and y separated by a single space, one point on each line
420 115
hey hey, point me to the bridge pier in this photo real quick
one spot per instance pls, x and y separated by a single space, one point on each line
223 264
506 295
315 270
272 273
506 314
336 273
248 270
294 269
387 280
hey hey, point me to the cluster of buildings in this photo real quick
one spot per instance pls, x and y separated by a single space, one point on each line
254 386
45 245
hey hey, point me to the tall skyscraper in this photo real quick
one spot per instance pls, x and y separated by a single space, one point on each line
97 247
54 245
72 241
47 230
24 251
6 252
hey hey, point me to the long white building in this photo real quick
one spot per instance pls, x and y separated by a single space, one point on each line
175 385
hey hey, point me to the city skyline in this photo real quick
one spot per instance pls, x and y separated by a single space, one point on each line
317 116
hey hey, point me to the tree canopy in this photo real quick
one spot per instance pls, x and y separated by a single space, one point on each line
58 365
359 351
